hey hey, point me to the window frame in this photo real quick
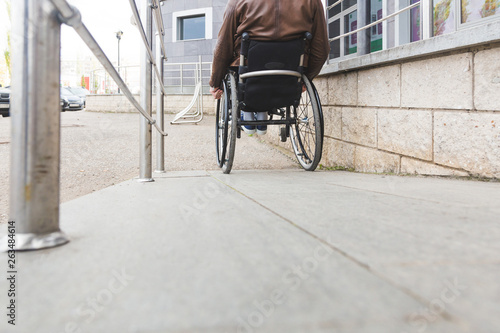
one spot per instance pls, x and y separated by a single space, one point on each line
178 16
341 16
466 25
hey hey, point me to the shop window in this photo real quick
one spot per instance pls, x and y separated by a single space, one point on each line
476 10
443 17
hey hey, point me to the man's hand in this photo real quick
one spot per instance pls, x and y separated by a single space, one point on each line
304 87
216 92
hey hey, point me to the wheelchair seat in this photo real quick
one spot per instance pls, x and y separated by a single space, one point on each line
271 76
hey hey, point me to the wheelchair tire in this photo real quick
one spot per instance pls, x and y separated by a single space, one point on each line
307 134
221 127
233 114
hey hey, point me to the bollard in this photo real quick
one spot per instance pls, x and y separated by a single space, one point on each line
35 112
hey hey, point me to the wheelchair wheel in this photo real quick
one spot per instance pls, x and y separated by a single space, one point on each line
226 137
221 127
307 134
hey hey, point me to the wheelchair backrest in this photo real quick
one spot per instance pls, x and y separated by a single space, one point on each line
264 93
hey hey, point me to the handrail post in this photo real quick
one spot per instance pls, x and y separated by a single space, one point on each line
35 109
146 157
160 139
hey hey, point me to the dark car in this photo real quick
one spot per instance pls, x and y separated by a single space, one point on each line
5 102
80 92
70 101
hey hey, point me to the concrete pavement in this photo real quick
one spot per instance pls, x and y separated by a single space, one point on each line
270 251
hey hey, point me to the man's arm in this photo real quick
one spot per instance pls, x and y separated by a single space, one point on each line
224 50
319 45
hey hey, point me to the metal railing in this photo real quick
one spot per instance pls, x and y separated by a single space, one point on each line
179 78
35 160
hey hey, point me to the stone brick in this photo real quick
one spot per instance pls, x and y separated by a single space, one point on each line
372 160
359 126
408 132
411 166
333 122
379 86
469 141
487 80
321 84
338 153
444 82
343 89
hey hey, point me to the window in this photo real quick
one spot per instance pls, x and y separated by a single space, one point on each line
476 10
443 17
425 19
191 27
343 19
192 24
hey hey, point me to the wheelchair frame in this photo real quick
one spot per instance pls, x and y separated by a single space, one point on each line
304 127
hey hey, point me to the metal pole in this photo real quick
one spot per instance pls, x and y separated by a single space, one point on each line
160 139
35 154
182 79
201 88
119 35
146 157
119 60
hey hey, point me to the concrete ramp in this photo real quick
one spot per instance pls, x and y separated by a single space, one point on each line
269 251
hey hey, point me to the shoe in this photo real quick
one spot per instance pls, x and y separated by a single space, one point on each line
247 128
261 129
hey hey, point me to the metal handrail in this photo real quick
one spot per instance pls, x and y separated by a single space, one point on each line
72 17
376 22
149 50
160 27
335 4
36 135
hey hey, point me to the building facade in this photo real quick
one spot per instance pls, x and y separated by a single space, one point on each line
191 28
417 93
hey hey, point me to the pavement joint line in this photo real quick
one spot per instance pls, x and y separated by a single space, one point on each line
444 314
166 176
400 196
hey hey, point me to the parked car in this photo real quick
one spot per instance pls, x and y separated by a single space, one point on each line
80 92
5 101
70 101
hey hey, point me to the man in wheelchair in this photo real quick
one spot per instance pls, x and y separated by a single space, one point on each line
267 52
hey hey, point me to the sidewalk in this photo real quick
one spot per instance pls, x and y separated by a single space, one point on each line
269 251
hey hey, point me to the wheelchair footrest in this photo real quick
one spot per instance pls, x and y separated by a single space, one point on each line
267 122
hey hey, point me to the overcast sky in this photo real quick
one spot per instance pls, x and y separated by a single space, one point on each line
103 18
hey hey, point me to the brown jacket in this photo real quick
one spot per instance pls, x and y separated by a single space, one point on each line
270 20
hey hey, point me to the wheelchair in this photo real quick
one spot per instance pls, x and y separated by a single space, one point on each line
269 79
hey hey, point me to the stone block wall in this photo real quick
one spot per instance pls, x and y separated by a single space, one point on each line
434 116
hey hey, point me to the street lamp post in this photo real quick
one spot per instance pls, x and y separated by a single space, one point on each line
119 35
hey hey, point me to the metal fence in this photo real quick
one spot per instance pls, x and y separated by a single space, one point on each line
179 78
